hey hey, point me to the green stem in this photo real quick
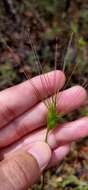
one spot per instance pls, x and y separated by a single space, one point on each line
46 137
42 182
43 176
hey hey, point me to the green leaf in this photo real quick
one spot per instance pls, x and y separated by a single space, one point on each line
52 117
82 42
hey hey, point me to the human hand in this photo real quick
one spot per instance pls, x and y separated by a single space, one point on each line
22 121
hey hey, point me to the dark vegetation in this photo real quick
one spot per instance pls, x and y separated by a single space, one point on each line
48 22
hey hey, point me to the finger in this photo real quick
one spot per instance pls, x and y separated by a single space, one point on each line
71 131
18 99
23 168
37 116
62 135
71 99
58 155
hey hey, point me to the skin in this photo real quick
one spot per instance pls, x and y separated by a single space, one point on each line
23 119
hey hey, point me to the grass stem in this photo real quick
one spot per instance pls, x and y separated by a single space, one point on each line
46 137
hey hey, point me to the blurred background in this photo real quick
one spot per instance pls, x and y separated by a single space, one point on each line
48 22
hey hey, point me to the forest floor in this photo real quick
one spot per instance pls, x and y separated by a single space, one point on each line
48 23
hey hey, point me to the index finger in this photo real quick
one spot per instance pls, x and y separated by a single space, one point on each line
20 98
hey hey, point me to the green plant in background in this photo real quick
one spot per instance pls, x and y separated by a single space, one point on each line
7 75
74 181
84 111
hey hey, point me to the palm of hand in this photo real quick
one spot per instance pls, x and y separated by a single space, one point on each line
23 118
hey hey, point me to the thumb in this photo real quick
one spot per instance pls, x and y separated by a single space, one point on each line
22 169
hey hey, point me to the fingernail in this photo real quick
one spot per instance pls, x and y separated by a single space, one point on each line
41 152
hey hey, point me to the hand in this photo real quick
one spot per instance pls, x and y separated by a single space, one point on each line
22 120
